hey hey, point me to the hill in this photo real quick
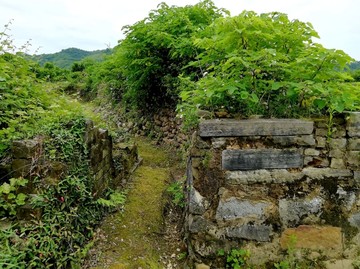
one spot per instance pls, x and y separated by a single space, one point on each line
66 57
355 65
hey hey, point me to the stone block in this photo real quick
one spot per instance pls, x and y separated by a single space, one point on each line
326 239
234 208
337 163
252 159
353 124
357 175
262 127
292 211
338 132
202 266
311 152
320 142
285 176
337 153
246 177
25 149
353 159
321 173
197 203
257 232
354 220
218 142
198 224
338 143
339 264
302 140
354 144
321 132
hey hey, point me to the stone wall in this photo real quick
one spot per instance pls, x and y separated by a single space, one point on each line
110 164
256 184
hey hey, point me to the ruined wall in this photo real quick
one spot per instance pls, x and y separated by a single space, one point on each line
110 164
254 183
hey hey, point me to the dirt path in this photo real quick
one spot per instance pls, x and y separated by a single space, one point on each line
138 237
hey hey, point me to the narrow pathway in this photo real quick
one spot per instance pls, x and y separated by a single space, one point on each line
135 238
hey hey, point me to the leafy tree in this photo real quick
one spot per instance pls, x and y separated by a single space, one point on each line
156 50
267 64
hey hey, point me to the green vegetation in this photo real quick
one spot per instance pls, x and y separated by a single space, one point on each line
67 57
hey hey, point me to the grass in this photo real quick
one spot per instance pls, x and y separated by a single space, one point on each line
133 237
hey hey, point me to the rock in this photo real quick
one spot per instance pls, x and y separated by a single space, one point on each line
338 143
197 203
255 127
257 232
302 140
198 224
326 239
354 144
311 152
354 220
320 142
251 159
292 211
246 177
353 124
353 159
337 163
321 173
202 266
25 149
234 208
339 264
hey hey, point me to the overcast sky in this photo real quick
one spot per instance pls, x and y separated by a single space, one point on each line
53 25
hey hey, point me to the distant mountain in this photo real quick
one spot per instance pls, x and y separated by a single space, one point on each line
355 65
66 57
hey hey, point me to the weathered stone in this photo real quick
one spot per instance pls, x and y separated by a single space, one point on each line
338 132
321 132
338 143
252 159
257 232
353 159
202 266
321 173
353 124
292 211
302 140
354 220
357 175
337 163
198 224
246 177
197 203
262 127
25 149
285 176
326 239
339 264
218 142
354 144
337 153
234 208
320 142
311 152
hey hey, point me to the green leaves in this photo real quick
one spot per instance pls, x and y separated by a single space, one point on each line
268 65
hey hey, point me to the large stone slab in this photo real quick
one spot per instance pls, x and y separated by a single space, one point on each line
233 208
255 127
326 239
257 232
251 159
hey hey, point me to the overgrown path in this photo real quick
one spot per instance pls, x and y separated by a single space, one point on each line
135 238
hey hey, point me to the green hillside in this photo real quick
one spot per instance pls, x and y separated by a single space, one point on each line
66 57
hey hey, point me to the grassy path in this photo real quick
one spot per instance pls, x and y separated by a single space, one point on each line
134 238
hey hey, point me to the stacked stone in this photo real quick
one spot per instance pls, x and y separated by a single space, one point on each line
253 183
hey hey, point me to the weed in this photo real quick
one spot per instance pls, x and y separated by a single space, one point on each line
176 192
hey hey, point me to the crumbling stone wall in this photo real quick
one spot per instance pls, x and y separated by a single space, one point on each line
255 183
110 164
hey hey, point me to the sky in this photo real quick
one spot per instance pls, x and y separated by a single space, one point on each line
53 25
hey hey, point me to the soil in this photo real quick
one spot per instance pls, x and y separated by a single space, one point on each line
146 233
